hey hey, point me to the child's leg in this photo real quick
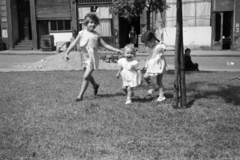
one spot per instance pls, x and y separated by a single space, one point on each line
129 92
161 89
93 82
124 88
85 82
149 82
148 79
95 85
160 84
129 95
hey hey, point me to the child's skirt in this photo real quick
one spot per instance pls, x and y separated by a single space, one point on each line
87 61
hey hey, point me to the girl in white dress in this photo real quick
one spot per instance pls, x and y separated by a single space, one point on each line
155 64
88 41
130 72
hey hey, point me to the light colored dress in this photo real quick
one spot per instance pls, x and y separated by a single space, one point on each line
154 64
88 45
129 72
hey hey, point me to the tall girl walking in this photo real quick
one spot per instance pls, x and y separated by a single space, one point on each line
88 40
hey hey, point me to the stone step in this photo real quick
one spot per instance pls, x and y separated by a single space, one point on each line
26 42
22 47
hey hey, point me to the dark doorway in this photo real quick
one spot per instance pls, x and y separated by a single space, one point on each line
217 27
222 30
227 30
42 28
125 27
24 20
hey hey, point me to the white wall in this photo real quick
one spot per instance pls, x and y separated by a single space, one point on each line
61 37
193 37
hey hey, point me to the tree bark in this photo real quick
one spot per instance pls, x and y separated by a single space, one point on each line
182 64
176 73
179 82
182 79
148 18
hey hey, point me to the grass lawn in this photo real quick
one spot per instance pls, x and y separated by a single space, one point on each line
40 120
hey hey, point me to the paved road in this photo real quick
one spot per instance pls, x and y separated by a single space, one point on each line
11 62
213 63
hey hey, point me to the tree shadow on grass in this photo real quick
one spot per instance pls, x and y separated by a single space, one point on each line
189 72
145 99
148 98
99 96
230 93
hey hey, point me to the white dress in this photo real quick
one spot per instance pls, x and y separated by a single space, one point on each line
88 44
154 64
129 72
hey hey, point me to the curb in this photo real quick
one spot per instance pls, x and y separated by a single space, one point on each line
167 53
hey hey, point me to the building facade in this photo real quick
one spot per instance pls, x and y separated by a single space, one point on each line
24 22
208 24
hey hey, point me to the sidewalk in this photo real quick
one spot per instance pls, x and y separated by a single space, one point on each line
28 52
223 53
27 60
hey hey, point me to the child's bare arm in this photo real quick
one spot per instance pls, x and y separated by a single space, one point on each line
139 76
119 71
104 44
163 63
71 46
169 49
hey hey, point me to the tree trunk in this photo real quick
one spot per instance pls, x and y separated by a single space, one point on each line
182 63
182 78
179 82
176 75
148 18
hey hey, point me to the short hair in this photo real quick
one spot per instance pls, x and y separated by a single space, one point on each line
148 36
131 47
187 49
92 16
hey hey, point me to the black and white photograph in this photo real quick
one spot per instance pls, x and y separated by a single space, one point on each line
120 80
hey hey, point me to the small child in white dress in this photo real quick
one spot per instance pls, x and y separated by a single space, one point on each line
156 64
130 72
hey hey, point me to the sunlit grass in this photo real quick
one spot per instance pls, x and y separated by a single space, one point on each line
40 120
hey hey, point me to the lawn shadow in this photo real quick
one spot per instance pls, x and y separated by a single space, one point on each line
230 93
149 98
106 95
145 99
189 72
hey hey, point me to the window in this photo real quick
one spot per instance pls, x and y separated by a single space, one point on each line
195 13
60 25
94 1
105 19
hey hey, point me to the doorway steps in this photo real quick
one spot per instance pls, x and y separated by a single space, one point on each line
24 45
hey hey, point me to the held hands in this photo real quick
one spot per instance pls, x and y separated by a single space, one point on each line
118 75
120 52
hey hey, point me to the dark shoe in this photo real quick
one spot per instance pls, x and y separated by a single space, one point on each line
96 89
78 99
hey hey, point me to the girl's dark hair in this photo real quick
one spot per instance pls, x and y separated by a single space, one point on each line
148 36
92 16
187 50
